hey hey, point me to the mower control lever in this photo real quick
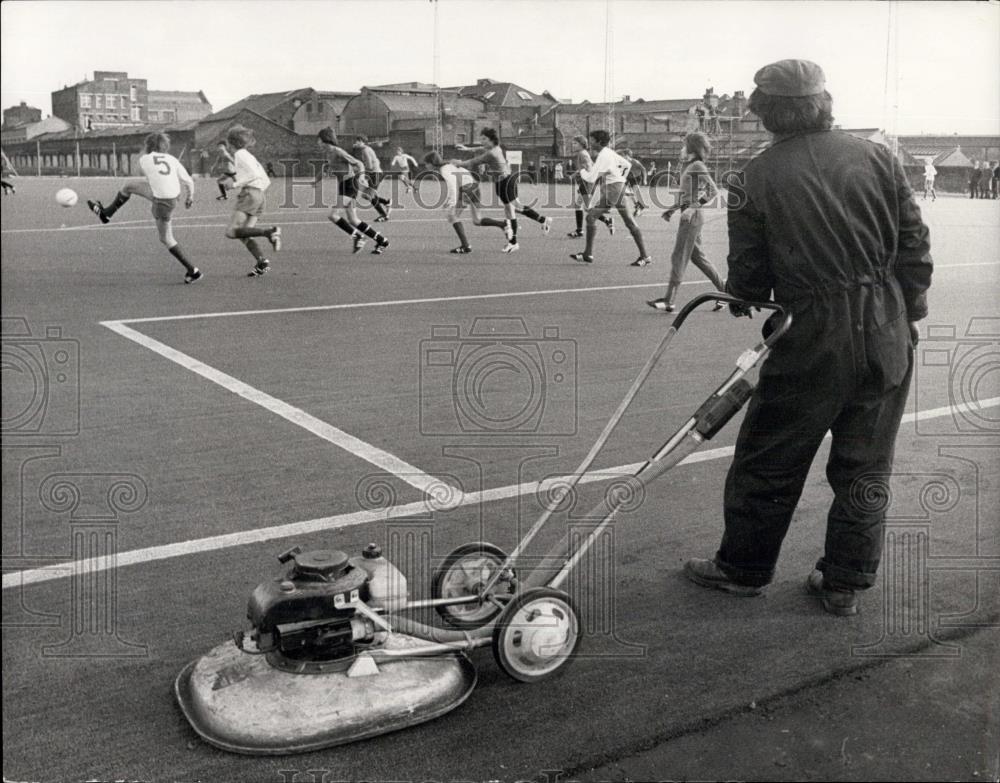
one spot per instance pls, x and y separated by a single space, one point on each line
289 554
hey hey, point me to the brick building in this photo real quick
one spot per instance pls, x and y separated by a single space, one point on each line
113 99
23 114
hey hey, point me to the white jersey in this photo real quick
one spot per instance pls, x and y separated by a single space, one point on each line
402 163
249 172
455 178
164 173
609 165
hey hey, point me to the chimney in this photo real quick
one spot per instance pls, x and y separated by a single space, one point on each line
740 103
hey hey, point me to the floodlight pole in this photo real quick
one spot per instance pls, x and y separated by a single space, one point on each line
438 106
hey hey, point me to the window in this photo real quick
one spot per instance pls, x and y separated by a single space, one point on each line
490 94
136 113
98 101
132 92
460 138
109 102
84 100
524 96
154 116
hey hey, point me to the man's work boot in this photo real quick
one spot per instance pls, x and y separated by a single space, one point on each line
839 601
707 574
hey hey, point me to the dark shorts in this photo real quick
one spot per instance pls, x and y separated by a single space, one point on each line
347 187
469 195
585 188
631 179
163 208
374 178
506 188
250 201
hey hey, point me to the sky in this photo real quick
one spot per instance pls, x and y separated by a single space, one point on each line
908 67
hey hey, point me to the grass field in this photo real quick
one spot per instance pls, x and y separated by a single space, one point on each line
208 427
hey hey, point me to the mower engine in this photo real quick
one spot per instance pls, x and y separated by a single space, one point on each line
322 606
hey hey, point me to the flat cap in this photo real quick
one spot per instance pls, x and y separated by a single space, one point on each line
791 78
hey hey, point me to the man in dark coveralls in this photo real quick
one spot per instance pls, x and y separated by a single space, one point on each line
827 224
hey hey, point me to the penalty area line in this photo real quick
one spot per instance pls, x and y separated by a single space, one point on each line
196 546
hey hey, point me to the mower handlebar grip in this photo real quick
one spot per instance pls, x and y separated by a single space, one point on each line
720 296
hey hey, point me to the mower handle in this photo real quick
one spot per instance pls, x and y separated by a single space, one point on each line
719 296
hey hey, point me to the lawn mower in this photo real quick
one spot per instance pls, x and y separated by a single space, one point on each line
330 657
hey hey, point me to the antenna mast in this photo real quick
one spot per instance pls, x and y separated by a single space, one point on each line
438 106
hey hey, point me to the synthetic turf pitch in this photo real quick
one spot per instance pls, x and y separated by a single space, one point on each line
89 660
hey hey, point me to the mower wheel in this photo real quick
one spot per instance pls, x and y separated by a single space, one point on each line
537 634
465 572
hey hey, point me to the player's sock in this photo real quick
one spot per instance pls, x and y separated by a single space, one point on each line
222 189
344 225
377 203
492 223
254 231
528 212
513 231
370 232
177 253
591 236
254 250
579 220
460 230
120 200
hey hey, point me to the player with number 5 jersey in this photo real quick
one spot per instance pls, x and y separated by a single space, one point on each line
165 178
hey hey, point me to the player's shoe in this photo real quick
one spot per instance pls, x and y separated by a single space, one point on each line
222 198
510 247
575 234
381 219
547 225
638 210
380 247
98 209
275 239
193 276
359 242
461 250
583 258
642 261
661 305
260 269
508 231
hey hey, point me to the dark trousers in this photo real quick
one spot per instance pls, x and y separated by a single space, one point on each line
783 429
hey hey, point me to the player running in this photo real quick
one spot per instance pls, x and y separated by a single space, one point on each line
584 194
462 190
696 190
8 170
402 165
610 169
164 177
251 182
225 169
636 176
495 162
929 174
350 173
373 175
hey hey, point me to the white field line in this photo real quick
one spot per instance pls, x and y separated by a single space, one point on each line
359 448
228 540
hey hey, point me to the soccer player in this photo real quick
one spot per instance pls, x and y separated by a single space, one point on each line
610 169
929 174
349 172
463 190
164 176
7 171
373 176
696 190
225 169
636 176
584 190
402 164
494 161
251 182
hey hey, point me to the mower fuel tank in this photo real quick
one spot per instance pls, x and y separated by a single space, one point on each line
387 587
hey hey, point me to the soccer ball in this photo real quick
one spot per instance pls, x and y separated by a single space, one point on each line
66 197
